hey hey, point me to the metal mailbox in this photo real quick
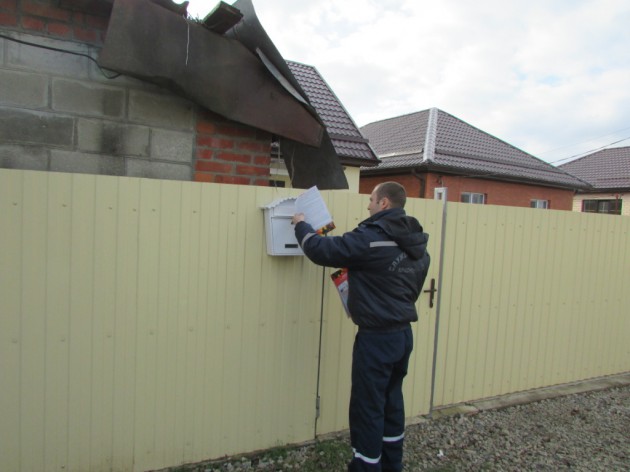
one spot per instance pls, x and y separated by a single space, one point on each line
279 230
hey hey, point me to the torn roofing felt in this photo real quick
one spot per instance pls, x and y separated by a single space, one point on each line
239 75
307 165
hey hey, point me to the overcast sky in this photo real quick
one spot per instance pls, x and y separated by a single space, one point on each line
551 77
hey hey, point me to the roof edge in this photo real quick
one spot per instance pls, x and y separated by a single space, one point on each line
614 190
432 167
431 136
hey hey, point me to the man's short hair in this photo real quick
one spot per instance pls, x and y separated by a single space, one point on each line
394 192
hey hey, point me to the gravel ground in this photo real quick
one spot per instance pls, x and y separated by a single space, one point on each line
579 432
583 432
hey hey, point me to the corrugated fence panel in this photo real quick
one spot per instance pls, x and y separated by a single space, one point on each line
143 325
338 331
530 298
417 385
33 335
126 321
11 323
80 319
227 341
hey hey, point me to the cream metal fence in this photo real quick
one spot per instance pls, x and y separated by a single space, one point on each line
143 325
531 298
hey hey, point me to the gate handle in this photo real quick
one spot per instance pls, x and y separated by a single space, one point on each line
431 292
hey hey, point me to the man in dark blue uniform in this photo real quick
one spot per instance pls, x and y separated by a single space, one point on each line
387 264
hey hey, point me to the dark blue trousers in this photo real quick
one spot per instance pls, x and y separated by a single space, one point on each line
377 411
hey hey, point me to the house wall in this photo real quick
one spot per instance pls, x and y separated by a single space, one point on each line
500 193
497 193
413 185
625 200
279 173
60 112
353 177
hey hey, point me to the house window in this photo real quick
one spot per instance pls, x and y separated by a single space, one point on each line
469 197
539 203
612 206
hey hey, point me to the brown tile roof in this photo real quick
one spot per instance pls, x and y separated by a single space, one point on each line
608 169
400 136
436 140
348 141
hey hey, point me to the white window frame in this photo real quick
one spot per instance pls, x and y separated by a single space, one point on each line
473 197
440 193
538 203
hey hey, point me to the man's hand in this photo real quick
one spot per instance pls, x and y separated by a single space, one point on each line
297 218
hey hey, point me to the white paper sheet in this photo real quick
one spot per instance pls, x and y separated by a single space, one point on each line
315 210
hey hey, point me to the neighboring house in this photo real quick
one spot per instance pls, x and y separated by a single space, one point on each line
349 144
431 150
608 171
81 94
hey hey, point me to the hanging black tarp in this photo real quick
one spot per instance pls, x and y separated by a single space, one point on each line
239 75
307 166
150 42
310 166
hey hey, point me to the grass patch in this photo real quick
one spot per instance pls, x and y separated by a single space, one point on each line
331 455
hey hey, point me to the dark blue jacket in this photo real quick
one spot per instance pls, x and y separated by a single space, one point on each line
387 261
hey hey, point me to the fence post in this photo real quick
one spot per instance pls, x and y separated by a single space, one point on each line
441 195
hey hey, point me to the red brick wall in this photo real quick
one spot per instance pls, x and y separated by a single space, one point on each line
228 152
501 193
47 18
497 193
412 184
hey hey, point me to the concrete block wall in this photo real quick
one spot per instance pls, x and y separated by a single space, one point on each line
60 112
